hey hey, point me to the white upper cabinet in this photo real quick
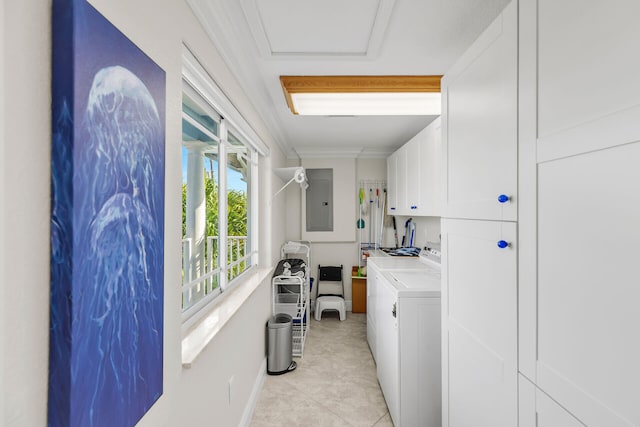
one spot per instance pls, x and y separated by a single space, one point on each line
401 180
431 170
414 175
479 126
413 152
392 184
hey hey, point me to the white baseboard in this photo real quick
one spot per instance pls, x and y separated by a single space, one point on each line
255 395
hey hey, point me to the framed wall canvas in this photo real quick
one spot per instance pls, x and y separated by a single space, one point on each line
107 223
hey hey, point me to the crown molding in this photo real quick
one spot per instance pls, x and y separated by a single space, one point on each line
375 154
214 17
376 37
328 153
335 153
199 80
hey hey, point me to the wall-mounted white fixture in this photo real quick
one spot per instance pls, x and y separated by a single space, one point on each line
362 95
292 174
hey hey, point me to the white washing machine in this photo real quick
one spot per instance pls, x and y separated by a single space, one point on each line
406 332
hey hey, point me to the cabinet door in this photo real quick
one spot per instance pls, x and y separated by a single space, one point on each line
359 294
538 410
414 150
431 171
392 184
580 320
480 125
588 318
387 347
401 182
479 324
550 414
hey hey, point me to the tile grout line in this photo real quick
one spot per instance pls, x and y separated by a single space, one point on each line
351 339
380 419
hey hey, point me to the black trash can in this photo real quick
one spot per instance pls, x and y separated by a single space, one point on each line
279 359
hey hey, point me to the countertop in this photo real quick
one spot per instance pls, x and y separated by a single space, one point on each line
410 277
397 263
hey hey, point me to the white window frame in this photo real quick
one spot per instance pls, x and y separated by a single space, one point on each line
193 283
251 254
198 83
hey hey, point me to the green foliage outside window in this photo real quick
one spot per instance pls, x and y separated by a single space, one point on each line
236 205
236 218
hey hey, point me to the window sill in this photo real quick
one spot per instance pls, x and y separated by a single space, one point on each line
201 334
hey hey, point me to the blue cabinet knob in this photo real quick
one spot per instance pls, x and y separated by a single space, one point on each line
503 198
414 207
393 209
502 244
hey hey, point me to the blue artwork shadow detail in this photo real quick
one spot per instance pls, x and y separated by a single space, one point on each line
107 223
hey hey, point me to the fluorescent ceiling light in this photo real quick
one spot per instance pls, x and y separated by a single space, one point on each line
367 104
362 95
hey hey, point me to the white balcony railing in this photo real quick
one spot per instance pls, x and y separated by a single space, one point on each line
198 282
237 254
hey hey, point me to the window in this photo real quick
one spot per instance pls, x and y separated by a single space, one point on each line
219 172
238 184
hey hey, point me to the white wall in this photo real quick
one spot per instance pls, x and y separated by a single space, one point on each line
26 169
292 199
3 140
372 170
335 253
237 353
344 172
427 229
25 202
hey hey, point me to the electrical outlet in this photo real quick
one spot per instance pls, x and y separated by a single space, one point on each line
231 389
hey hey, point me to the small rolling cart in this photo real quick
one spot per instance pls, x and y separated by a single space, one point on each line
291 290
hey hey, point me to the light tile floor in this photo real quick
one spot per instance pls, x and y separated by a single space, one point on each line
335 383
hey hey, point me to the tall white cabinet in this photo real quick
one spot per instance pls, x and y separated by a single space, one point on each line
580 209
479 231
542 330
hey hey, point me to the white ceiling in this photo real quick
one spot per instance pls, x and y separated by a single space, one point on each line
264 39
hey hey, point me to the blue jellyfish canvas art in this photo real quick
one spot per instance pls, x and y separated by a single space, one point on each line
107 223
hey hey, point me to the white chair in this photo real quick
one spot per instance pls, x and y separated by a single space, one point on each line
330 301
